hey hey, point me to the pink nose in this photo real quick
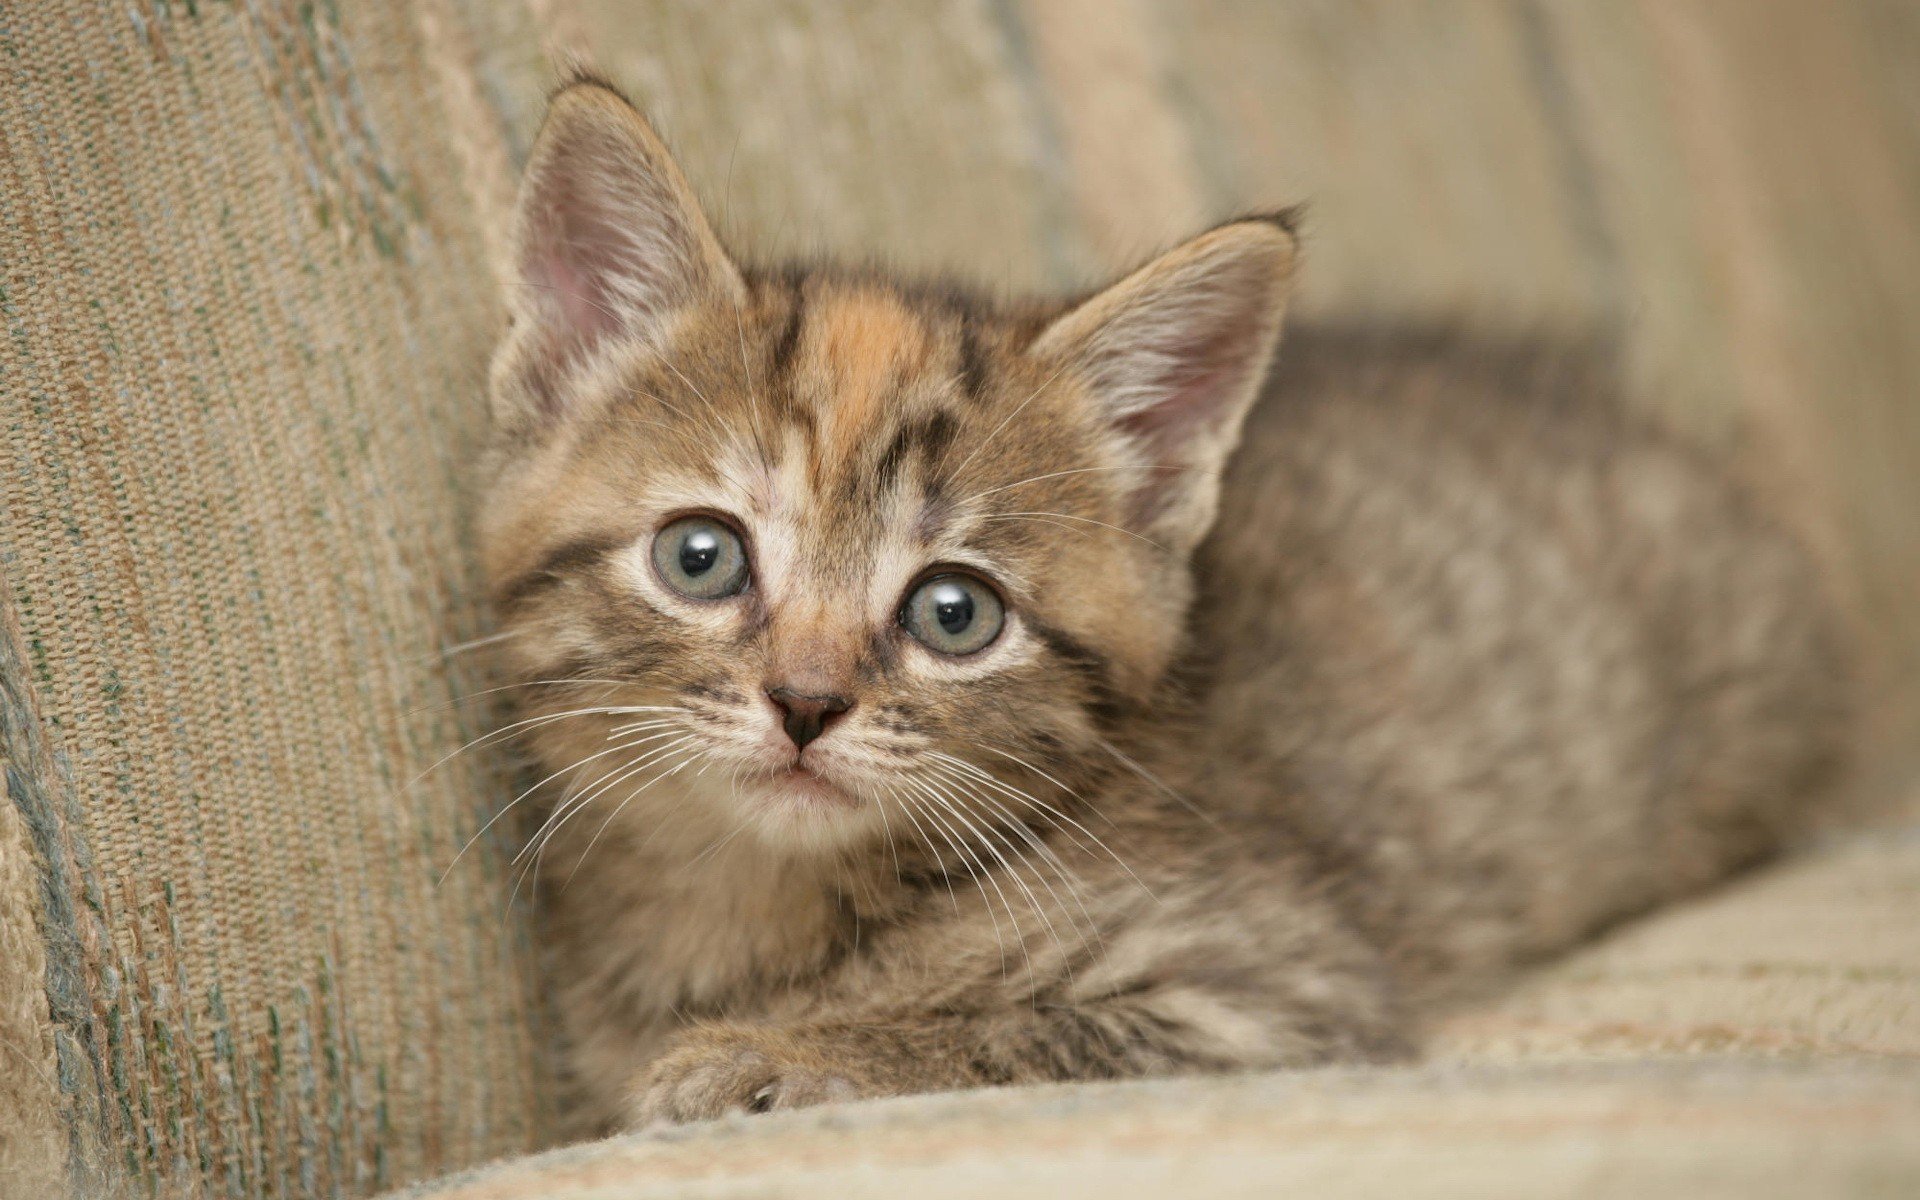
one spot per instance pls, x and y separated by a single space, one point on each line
805 717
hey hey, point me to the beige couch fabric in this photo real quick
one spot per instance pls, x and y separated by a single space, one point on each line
247 297
1747 1130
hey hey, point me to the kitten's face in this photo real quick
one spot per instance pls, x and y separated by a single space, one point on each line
842 560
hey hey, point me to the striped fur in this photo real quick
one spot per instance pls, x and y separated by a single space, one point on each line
1113 842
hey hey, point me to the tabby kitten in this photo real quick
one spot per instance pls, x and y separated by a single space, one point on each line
907 730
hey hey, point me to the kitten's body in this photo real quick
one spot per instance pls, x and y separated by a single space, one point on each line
1477 666
1519 664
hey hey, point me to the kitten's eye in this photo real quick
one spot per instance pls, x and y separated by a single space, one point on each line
954 614
700 558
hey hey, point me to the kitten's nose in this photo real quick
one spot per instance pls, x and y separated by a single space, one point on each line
805 717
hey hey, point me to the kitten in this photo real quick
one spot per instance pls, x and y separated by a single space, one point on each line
908 730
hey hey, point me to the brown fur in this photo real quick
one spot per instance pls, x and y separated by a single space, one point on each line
1476 666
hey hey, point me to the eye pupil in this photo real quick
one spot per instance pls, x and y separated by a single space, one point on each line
699 552
953 608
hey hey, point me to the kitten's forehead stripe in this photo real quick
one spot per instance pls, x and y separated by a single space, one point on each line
789 337
923 438
973 363
863 347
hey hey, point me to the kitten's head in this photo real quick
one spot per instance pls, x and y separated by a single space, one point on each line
839 552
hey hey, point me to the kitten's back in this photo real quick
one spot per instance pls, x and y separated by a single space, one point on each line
1518 665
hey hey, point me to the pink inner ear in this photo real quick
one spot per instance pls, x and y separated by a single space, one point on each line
1197 389
581 264
585 315
1199 382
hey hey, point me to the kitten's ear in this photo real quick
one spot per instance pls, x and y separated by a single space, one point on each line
608 245
1174 354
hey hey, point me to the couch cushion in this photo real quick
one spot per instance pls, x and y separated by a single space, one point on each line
1762 1041
1817 957
1699 1129
246 291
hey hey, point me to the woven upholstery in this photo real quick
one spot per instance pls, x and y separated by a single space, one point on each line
247 286
248 300
1754 1131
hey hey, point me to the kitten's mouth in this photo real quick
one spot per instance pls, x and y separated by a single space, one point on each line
800 784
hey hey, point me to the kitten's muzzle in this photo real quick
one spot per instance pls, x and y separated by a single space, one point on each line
805 717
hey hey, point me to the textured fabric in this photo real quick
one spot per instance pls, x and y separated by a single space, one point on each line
1816 958
1764 1041
31 1141
248 298
1746 1130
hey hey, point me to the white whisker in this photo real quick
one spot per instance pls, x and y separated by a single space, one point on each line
978 866
1015 516
1028 798
535 849
506 730
1158 782
1067 878
570 805
573 766
493 639
995 432
946 876
1075 471
984 835
693 754
507 687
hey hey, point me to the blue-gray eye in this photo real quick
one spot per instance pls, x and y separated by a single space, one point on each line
700 558
953 614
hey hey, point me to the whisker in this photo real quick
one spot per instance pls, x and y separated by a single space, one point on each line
656 723
925 809
568 806
946 876
993 844
716 847
1075 471
887 824
1047 810
707 422
980 869
507 687
726 429
536 848
1158 782
995 432
492 639
481 832
1073 529
1014 516
1047 854
508 730
1028 798
693 754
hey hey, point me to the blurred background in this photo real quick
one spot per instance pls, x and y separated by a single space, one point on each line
249 279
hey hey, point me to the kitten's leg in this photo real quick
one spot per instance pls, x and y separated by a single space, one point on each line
1165 997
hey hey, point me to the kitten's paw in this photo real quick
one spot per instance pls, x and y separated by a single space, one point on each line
712 1072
